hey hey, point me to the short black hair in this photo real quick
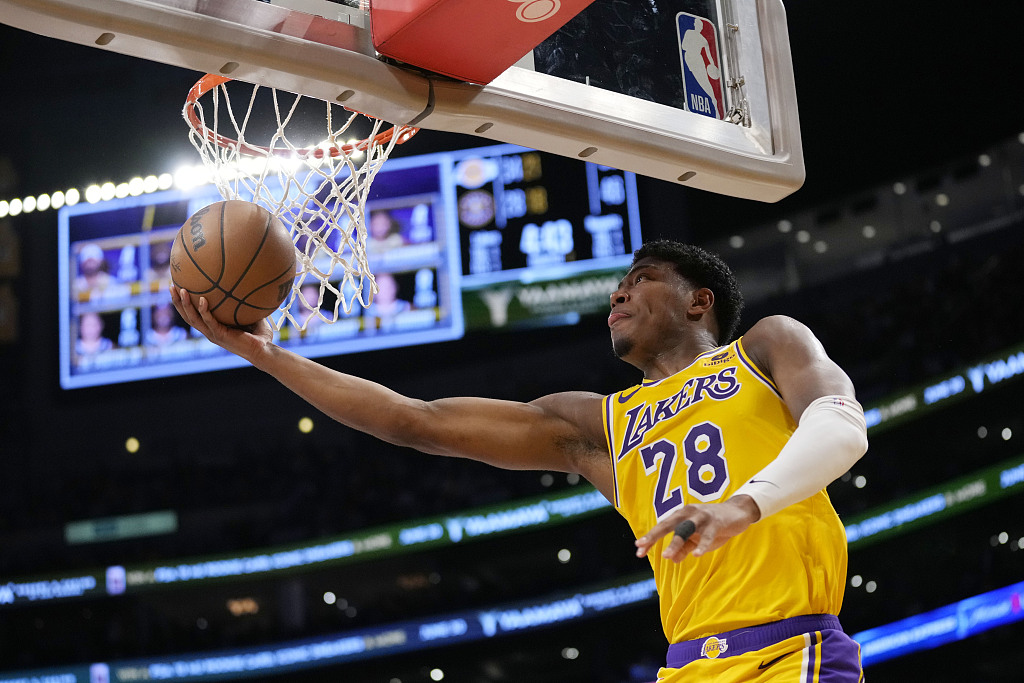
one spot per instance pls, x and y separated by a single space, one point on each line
703 269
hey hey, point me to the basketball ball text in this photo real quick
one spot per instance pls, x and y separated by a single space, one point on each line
196 229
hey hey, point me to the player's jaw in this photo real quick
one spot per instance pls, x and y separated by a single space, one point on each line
622 326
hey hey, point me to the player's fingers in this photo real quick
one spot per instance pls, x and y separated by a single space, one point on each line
183 304
644 543
213 326
684 540
193 315
682 530
707 540
685 529
678 549
176 299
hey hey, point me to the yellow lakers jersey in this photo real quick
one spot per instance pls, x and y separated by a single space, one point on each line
695 437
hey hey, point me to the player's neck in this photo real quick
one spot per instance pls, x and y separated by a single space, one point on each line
678 357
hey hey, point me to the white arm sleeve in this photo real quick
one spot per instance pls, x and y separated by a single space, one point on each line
831 437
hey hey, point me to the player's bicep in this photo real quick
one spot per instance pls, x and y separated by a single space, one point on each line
797 362
506 434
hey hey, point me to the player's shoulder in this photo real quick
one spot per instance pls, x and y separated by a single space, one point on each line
777 334
569 404
775 329
581 409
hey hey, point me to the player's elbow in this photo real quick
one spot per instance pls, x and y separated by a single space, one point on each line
855 439
415 424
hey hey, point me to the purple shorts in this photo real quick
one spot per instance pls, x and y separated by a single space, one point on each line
829 655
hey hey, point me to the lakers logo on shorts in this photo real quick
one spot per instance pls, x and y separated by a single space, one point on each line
713 647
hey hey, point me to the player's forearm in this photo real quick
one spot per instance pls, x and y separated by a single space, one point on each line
506 434
831 437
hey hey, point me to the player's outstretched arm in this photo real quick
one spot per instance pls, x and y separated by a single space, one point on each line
830 438
561 432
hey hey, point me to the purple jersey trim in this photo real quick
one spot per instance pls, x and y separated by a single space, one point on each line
609 413
754 370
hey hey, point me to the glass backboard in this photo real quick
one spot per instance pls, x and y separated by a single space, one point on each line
694 92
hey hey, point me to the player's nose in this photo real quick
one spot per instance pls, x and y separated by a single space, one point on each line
619 296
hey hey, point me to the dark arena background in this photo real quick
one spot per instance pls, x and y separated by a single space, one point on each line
210 526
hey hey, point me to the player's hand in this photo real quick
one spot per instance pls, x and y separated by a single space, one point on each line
700 528
243 342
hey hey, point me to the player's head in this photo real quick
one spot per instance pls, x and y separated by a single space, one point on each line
383 225
701 268
163 317
90 326
387 288
91 259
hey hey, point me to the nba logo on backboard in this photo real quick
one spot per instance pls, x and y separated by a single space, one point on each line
702 69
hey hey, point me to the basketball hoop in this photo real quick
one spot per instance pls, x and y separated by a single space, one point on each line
318 187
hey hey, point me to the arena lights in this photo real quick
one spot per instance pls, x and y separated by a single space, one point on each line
949 623
184 178
92 194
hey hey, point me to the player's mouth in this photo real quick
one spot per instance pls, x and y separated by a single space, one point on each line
615 316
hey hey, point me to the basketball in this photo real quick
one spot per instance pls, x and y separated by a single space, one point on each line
239 256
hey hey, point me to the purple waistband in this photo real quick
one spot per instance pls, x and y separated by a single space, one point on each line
743 640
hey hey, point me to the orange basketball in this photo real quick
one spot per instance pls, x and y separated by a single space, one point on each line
239 256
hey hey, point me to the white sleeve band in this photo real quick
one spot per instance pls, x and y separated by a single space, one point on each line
831 437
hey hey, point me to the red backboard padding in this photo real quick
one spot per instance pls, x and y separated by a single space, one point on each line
470 40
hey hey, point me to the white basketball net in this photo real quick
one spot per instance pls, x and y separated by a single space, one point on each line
317 186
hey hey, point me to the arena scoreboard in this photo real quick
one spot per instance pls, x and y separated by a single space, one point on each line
496 237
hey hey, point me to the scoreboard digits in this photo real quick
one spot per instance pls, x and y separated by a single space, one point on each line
530 210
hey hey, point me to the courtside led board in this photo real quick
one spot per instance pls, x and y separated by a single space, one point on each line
597 108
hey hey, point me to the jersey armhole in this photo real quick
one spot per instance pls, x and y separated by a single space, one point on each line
752 367
610 441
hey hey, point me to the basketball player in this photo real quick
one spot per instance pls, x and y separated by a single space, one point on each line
718 459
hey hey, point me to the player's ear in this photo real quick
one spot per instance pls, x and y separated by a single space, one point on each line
702 300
